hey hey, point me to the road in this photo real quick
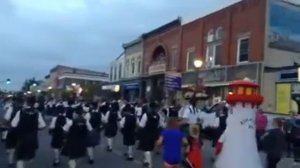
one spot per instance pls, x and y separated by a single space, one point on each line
105 159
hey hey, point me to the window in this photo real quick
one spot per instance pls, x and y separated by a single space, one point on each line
214 54
120 71
127 68
111 73
174 57
115 73
132 66
219 33
191 55
139 66
243 50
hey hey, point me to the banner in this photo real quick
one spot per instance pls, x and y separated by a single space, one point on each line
173 81
283 98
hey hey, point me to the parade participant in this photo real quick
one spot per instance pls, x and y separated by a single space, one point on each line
11 140
27 122
172 140
93 138
71 108
192 115
50 105
128 126
8 106
150 124
237 146
193 153
57 133
111 124
273 143
77 132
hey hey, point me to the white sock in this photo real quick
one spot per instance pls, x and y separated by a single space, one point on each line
72 163
109 142
56 155
130 151
90 152
148 158
20 164
11 153
4 135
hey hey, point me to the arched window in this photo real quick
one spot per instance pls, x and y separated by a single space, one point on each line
219 33
210 36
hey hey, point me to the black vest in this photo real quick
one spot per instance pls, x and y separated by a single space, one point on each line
28 122
95 119
152 121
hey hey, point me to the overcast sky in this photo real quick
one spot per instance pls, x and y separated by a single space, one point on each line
36 35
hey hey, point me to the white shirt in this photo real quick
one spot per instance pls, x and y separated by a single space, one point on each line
15 121
144 120
8 113
69 123
192 115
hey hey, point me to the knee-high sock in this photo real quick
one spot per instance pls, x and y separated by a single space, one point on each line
130 151
90 152
148 158
4 135
109 142
20 164
72 163
56 155
11 153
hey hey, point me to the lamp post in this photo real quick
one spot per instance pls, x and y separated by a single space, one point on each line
197 64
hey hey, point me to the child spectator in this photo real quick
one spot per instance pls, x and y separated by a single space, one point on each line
172 140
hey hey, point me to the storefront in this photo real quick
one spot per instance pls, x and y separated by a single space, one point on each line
111 91
131 90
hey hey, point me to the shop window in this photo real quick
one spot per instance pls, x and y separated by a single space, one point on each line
243 50
191 56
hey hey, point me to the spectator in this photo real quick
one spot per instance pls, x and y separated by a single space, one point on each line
172 140
273 143
261 125
295 139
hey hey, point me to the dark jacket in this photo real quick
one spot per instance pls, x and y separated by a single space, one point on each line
273 142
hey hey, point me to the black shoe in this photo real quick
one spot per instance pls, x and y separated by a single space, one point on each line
130 158
91 161
11 165
109 149
55 164
157 153
125 154
146 164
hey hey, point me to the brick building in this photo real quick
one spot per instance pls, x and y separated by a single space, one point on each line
161 54
229 41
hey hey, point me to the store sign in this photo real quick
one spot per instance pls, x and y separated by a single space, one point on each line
157 68
131 86
114 88
173 81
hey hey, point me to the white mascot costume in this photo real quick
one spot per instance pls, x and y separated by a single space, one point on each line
237 147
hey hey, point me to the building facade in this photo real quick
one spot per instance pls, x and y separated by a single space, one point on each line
161 55
64 78
132 83
231 44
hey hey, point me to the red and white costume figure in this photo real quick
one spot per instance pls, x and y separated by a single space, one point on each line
237 147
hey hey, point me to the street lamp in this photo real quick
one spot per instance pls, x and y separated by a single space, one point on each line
50 87
74 84
34 84
198 63
8 81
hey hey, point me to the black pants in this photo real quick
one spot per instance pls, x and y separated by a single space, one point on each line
272 161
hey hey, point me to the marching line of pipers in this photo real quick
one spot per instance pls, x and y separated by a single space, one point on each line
76 126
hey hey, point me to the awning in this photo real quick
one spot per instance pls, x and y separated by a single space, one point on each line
211 84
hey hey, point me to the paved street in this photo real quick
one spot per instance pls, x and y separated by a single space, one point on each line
110 160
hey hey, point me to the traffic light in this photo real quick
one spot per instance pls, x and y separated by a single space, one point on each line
8 81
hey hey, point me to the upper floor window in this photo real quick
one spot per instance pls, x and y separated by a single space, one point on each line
127 67
191 55
111 74
132 66
210 36
115 73
120 71
174 57
243 50
139 66
219 33
213 54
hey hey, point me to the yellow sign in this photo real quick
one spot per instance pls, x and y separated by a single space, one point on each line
283 98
